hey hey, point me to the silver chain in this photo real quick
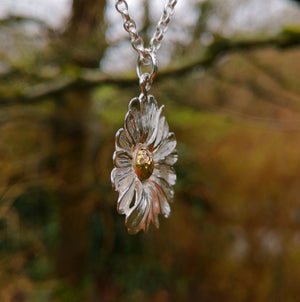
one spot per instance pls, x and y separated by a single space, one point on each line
146 56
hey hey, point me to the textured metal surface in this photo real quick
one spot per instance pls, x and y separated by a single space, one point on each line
143 160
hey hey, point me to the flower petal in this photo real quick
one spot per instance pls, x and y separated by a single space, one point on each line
125 198
155 123
144 224
164 205
167 146
160 131
151 212
165 172
122 140
167 189
134 219
155 206
148 115
122 159
170 160
121 178
135 108
163 125
131 128
152 217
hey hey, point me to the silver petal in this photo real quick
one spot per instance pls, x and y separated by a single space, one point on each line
165 148
167 189
135 108
148 117
163 201
131 128
138 190
155 207
138 211
122 140
165 132
122 159
121 178
126 198
160 131
165 172
144 224
170 160
155 124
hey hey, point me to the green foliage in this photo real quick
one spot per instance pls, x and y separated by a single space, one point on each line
35 207
39 269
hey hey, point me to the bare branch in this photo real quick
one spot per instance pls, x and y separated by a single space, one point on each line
13 19
275 76
282 98
90 78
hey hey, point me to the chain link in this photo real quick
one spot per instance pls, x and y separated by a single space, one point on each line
162 25
146 56
130 26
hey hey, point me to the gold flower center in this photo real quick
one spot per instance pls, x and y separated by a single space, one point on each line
144 164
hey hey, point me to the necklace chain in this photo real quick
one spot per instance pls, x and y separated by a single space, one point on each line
129 25
146 56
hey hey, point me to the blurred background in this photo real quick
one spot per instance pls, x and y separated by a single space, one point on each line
229 76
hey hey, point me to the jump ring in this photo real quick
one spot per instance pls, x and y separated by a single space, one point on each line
153 63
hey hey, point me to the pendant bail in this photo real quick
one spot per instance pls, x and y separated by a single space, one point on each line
146 79
145 83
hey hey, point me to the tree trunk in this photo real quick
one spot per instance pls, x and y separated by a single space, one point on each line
73 171
84 36
84 44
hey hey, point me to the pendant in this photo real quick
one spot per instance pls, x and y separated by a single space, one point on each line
143 173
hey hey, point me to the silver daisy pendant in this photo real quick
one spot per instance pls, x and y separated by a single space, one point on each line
143 173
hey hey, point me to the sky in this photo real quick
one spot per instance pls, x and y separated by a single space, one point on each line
51 11
245 14
230 17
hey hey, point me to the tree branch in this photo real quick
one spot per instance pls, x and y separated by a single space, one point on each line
90 78
13 19
281 98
